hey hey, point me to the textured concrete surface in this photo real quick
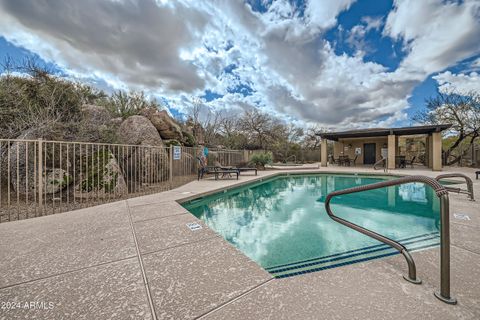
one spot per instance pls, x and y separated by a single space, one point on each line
467 237
191 280
158 234
153 211
373 290
110 291
465 274
137 259
37 248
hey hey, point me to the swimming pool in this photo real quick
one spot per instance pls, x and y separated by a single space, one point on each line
281 223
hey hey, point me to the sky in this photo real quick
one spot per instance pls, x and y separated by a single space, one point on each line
336 64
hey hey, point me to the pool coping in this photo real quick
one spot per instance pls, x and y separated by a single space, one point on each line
276 175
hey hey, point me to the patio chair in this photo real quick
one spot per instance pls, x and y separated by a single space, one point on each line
400 162
352 162
342 160
410 162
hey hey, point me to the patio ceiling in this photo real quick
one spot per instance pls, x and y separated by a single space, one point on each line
379 132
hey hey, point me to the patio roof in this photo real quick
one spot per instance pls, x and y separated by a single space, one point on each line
378 132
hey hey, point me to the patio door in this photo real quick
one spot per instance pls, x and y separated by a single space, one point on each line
369 153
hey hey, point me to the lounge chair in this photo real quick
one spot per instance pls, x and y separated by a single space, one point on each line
240 169
217 171
244 169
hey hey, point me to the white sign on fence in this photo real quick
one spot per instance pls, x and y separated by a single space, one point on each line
177 152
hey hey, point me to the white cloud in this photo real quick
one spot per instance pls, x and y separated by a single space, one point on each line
177 49
436 34
131 42
372 23
323 13
462 83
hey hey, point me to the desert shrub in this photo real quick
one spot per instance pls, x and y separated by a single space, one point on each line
188 139
97 174
27 102
261 159
126 104
172 142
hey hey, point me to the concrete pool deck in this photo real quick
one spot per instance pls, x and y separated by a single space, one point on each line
137 259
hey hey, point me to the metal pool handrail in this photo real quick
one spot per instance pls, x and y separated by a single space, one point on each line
468 181
380 161
441 193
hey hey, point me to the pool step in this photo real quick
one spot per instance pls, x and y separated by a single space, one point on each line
353 256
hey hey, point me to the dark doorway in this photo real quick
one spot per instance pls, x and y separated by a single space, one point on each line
369 152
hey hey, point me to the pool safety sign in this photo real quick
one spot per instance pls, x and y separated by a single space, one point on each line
177 152
461 216
194 226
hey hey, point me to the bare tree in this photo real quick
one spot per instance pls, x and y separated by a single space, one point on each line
311 139
257 127
459 109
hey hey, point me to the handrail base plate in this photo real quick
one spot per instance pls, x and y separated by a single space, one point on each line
446 300
414 281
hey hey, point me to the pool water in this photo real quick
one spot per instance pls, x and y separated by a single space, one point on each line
281 223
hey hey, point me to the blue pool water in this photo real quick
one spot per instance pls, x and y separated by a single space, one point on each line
282 224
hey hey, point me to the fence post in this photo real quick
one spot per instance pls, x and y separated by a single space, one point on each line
195 162
40 174
170 164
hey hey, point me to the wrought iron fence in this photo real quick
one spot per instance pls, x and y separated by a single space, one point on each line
39 177
226 157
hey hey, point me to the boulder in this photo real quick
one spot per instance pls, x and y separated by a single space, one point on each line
196 131
148 166
165 125
22 170
95 125
95 115
143 164
56 179
116 121
18 162
102 178
138 130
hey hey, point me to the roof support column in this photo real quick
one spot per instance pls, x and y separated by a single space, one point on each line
323 153
437 151
392 149
429 151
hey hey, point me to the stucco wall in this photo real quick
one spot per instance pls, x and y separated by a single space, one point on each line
342 145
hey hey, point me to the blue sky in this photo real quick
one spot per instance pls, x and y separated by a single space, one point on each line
334 64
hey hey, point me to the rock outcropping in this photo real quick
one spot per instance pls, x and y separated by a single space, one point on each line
165 125
102 178
138 130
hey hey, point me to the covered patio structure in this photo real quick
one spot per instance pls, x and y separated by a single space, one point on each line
368 146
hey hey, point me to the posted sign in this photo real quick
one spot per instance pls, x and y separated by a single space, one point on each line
177 152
